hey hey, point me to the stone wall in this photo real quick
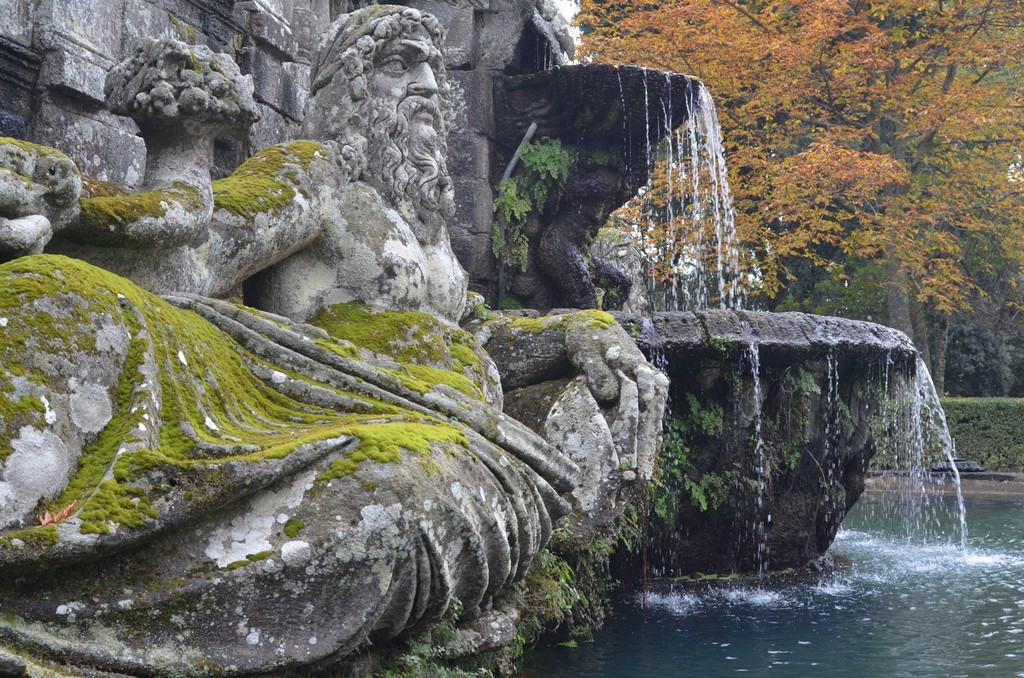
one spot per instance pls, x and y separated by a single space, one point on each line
54 55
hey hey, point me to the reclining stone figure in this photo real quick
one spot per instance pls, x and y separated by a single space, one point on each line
188 486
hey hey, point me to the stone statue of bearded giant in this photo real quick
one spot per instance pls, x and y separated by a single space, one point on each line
189 486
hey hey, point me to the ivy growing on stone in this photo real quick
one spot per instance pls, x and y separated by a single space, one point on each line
545 166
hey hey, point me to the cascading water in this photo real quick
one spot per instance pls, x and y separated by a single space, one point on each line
761 519
684 219
689 204
917 437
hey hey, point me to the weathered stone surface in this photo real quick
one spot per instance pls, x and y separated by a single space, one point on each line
616 248
781 337
461 32
11 665
368 539
76 69
19 69
94 26
102 145
580 380
270 27
276 85
15 17
766 465
604 142
233 491
366 252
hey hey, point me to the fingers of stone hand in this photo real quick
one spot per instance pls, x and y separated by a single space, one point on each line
587 352
625 427
652 390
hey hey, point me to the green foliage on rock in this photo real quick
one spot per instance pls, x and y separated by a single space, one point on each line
546 168
676 477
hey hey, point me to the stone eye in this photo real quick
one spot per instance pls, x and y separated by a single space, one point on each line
394 65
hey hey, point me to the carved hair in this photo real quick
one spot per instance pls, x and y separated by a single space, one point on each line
375 143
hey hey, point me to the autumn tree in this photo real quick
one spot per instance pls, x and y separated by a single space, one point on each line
877 139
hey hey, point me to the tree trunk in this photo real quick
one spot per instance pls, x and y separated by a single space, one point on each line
898 304
941 344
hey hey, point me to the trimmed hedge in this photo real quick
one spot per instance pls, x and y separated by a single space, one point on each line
989 431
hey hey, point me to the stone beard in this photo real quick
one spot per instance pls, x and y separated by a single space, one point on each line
392 138
406 158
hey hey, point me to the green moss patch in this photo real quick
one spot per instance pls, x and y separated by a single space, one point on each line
45 535
293 527
383 443
267 181
589 318
110 214
33 149
429 352
98 188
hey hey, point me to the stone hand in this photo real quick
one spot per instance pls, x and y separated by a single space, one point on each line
618 375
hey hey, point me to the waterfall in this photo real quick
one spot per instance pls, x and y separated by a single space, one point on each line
761 519
917 437
697 251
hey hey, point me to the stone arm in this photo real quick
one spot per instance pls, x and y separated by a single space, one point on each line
538 358
181 239
184 232
176 215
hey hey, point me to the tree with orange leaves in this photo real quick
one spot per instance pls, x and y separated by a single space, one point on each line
880 138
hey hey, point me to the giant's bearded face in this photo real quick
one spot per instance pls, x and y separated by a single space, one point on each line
380 90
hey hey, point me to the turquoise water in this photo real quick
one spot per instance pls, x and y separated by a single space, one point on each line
902 606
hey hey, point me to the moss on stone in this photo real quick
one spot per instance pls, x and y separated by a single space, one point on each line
34 149
383 443
429 351
43 535
27 410
267 181
98 188
112 213
28 284
204 377
588 318
404 335
293 527
205 391
113 503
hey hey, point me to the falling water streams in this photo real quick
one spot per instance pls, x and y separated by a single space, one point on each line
761 520
909 601
701 218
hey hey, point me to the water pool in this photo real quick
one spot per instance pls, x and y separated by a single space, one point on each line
904 605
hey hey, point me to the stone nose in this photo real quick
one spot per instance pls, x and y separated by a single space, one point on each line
423 82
